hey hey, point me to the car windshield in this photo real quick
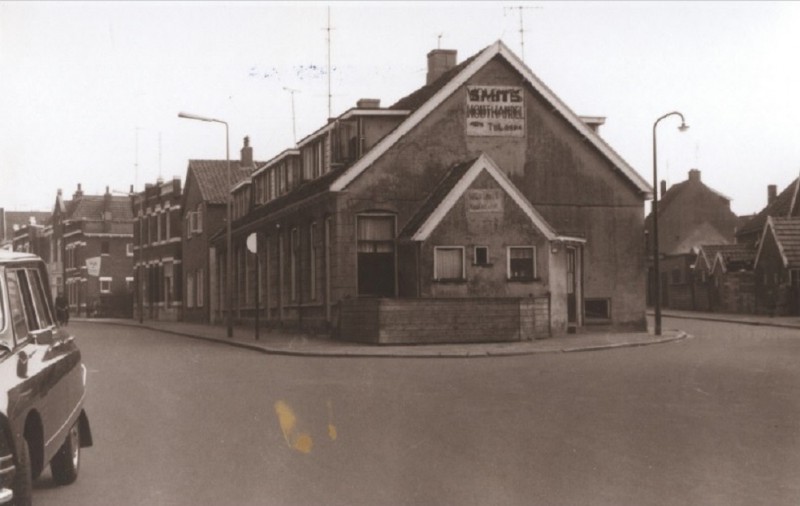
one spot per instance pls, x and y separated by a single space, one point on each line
6 337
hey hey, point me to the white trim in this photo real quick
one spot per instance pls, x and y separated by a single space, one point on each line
498 48
372 112
487 164
769 225
274 160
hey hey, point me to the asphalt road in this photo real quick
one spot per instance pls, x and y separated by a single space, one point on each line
710 420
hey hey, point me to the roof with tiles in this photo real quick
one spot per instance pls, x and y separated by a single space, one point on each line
212 178
709 251
785 204
92 207
447 183
787 234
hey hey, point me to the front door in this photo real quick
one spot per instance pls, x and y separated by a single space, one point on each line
376 272
572 287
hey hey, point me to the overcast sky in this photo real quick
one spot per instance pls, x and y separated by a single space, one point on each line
80 82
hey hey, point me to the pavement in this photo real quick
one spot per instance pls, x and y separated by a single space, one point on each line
285 342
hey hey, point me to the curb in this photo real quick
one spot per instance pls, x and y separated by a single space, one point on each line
384 352
755 323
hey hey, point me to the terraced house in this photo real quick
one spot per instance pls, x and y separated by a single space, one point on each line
479 207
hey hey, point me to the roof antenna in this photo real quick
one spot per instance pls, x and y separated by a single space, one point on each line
439 41
521 27
328 29
294 126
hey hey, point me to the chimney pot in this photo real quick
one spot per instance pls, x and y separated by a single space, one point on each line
694 175
772 193
663 187
439 62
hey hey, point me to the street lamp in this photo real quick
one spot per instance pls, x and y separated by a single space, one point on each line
683 127
229 252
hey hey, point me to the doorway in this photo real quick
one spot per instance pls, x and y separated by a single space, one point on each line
376 255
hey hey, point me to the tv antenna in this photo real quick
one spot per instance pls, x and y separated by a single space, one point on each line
330 96
439 41
520 9
294 126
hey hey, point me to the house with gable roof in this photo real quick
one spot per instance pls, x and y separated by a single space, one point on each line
203 208
690 214
460 213
777 267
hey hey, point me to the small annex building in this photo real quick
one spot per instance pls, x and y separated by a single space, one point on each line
777 267
478 208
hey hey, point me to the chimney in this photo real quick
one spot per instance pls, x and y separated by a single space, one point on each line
694 175
772 193
58 193
593 122
78 193
439 62
369 103
246 159
663 187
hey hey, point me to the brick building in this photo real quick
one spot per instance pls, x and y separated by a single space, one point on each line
777 267
157 246
93 237
460 213
12 221
204 208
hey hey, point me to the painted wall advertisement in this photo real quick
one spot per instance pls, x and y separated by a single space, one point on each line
495 111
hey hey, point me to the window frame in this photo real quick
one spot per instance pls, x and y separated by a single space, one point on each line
475 256
105 279
436 276
534 274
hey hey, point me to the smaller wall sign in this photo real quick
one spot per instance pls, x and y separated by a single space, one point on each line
93 266
484 201
495 111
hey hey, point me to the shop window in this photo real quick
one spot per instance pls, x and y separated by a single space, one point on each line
481 255
448 263
521 263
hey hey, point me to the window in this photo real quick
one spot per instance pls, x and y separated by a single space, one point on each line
129 249
29 308
198 219
105 285
448 263
521 263
200 287
597 309
481 255
312 250
105 248
376 264
129 282
18 319
293 247
190 295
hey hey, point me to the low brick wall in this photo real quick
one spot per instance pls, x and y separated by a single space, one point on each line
457 320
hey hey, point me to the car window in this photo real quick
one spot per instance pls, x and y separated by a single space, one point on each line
17 309
27 300
43 316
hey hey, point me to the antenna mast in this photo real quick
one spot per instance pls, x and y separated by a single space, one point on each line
522 28
328 29
294 125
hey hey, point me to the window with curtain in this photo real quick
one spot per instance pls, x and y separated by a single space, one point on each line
521 263
375 234
448 263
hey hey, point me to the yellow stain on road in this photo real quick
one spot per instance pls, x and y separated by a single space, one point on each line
331 426
288 421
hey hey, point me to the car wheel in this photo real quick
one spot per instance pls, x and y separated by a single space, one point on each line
67 460
23 481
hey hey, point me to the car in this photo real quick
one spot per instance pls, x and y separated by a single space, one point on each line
43 379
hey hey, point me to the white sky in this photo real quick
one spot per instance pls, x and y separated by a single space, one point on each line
79 80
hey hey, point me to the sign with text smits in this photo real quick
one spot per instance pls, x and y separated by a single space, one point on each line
495 111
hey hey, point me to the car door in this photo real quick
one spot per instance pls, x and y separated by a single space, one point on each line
47 367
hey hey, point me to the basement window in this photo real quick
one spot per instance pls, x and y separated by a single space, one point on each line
597 310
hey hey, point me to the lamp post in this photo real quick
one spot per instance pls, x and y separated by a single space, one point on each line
657 273
229 252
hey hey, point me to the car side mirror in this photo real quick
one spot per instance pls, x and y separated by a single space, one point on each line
43 338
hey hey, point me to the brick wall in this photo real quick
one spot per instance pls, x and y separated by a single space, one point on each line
459 320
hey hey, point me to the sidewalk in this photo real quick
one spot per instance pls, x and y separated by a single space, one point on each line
791 322
281 342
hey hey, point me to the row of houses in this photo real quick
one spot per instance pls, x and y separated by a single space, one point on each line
478 207
713 260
